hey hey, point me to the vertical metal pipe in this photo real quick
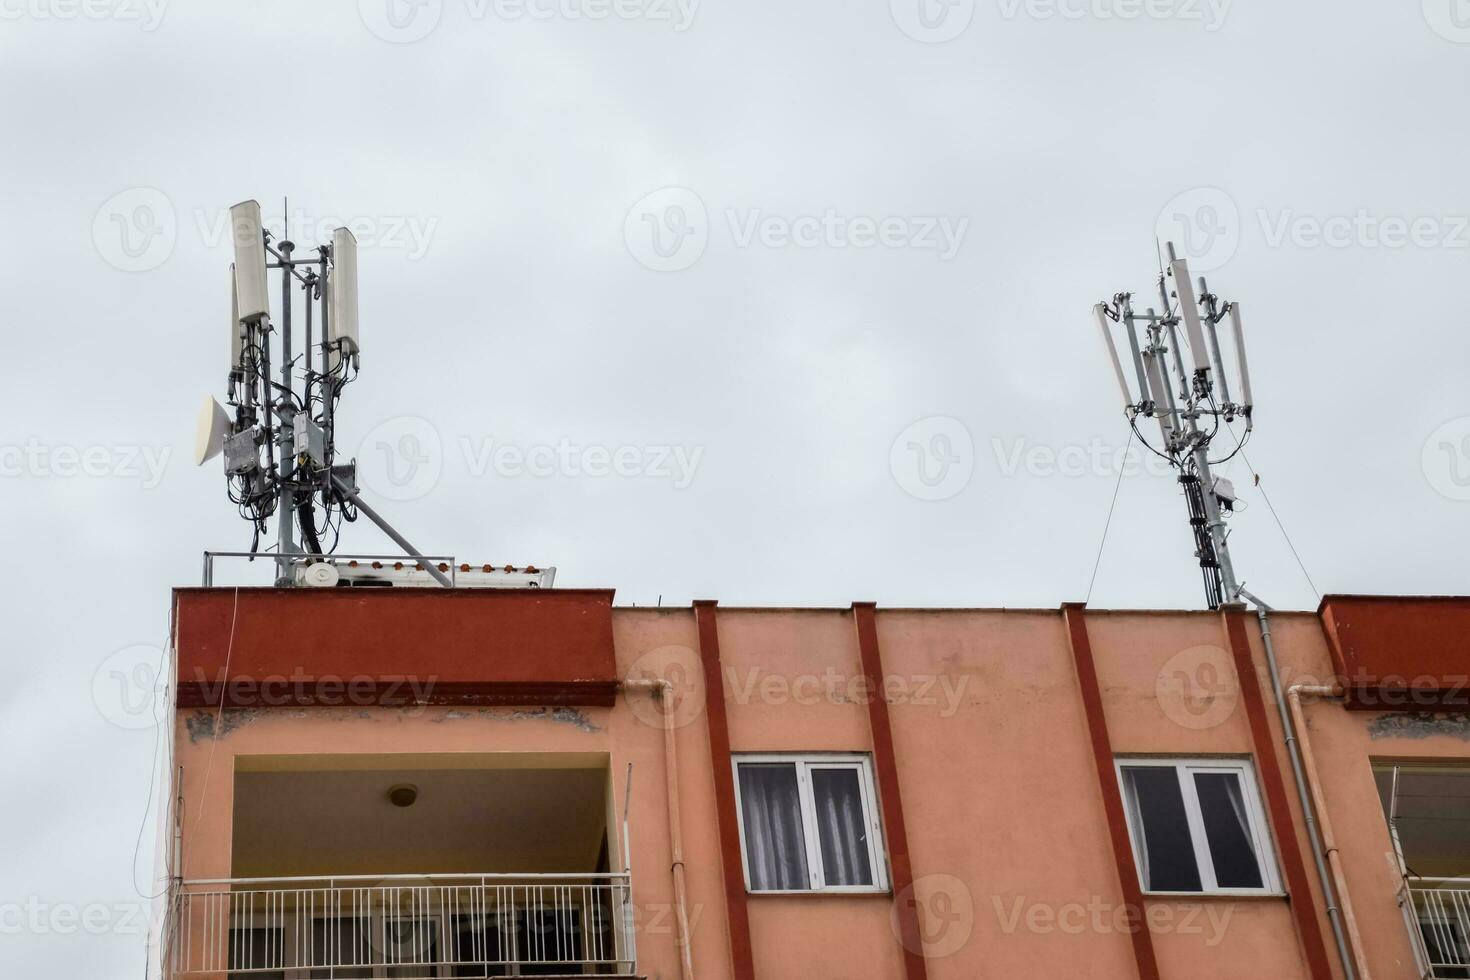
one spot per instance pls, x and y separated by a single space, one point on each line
327 386
663 690
1213 520
286 502
1293 752
1324 824
1393 825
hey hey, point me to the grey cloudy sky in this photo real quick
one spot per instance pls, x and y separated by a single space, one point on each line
582 230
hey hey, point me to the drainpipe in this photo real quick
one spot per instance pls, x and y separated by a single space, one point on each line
1352 966
663 691
1294 698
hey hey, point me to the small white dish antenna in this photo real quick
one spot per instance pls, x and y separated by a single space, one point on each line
210 431
318 575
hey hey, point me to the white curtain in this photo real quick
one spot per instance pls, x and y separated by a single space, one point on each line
1236 794
841 827
775 846
1135 825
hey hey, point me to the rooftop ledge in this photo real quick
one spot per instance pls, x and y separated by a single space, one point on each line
391 646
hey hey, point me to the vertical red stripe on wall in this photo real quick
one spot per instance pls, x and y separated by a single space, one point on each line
737 916
1278 807
885 764
1074 615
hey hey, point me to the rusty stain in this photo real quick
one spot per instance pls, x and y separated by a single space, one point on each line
1420 724
201 724
565 716
560 715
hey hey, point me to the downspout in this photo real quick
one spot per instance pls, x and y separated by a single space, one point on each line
1352 966
1329 844
663 691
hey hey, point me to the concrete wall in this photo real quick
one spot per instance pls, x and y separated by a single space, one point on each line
1014 875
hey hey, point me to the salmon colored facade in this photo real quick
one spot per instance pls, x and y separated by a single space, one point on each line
969 782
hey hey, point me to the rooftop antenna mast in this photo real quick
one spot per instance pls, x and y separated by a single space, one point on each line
279 442
1179 379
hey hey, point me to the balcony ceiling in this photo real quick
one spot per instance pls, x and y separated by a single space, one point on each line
465 820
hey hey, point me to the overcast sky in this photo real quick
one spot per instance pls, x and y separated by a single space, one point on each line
753 253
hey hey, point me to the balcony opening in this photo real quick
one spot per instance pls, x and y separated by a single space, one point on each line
1428 814
415 867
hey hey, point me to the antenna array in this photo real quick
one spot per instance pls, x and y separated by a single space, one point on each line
1178 367
279 442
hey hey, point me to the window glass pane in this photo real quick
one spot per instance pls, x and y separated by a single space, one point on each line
549 936
775 843
476 942
1227 829
1160 829
410 943
255 948
841 827
337 946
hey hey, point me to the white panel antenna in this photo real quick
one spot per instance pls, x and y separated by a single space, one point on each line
237 330
1103 322
1246 401
248 234
1189 313
342 319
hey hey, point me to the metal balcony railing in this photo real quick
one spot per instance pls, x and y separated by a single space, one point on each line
410 926
1437 914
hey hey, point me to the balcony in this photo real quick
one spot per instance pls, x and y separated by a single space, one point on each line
417 865
1437 913
411 926
1428 812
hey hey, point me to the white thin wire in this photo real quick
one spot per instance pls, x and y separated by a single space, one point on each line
163 664
1097 562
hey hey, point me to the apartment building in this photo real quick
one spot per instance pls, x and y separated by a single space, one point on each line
478 782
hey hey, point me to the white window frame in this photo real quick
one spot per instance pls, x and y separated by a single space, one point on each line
805 763
1260 828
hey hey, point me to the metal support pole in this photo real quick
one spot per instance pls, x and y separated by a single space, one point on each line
286 503
387 529
328 386
1214 521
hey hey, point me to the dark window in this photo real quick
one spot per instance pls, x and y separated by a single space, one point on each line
1161 829
1227 829
340 948
255 950
477 947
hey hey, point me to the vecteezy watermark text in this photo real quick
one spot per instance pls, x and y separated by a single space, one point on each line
833 687
1099 916
677 464
407 21
38 917
33 458
1209 13
148 14
669 229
